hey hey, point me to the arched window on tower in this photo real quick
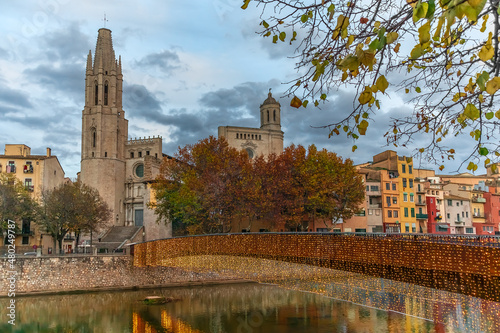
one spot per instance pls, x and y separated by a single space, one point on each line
93 137
267 115
274 115
96 94
106 93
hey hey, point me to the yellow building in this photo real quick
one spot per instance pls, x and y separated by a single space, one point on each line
407 195
38 173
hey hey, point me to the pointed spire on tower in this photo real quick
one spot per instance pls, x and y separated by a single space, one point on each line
89 61
104 50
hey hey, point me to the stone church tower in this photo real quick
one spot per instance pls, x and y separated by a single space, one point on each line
265 140
104 127
122 170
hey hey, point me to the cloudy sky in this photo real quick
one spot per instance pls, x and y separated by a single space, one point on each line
189 67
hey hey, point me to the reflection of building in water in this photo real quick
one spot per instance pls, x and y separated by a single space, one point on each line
168 323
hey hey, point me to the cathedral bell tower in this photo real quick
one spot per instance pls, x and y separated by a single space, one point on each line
104 127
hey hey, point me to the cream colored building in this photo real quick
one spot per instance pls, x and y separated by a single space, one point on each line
117 167
267 139
38 173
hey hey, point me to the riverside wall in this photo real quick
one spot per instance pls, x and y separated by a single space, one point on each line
31 275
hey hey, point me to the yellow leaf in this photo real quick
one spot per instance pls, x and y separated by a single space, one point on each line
381 83
245 5
396 48
350 40
391 37
362 127
365 96
423 33
487 51
493 85
296 102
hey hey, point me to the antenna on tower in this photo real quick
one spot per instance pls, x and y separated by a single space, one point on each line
105 20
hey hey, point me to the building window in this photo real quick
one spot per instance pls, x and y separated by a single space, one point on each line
389 213
448 216
411 197
106 93
388 200
26 240
469 230
105 154
413 227
406 211
387 186
374 188
147 152
403 168
94 138
410 169
450 203
394 187
367 188
395 213
404 182
412 211
268 116
407 227
139 170
395 200
411 183
131 154
441 228
96 97
250 153
405 197
274 115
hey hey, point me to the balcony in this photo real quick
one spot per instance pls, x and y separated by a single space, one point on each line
28 168
375 206
420 203
30 188
479 200
422 216
460 222
478 215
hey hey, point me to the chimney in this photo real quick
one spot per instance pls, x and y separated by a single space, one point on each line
49 151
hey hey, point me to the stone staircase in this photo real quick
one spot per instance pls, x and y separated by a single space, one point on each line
117 236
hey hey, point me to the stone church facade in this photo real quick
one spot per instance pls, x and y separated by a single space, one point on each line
120 169
267 139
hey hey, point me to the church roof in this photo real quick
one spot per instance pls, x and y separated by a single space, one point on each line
270 99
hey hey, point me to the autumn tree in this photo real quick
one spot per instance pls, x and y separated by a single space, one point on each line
199 186
72 207
16 202
209 186
321 186
444 54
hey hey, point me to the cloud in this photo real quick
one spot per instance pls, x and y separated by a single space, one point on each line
11 99
68 44
60 78
167 61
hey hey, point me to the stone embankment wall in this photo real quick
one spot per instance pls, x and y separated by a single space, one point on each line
74 273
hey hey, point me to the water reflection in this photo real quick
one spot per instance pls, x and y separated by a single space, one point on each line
298 298
242 308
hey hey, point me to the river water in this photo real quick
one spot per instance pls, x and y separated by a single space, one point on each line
252 308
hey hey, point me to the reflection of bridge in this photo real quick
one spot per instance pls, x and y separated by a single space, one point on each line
468 265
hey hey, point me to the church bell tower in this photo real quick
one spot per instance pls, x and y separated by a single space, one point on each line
104 127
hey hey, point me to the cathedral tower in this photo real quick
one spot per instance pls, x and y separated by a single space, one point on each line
104 127
270 114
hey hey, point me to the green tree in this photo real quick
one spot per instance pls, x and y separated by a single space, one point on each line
444 54
72 207
16 202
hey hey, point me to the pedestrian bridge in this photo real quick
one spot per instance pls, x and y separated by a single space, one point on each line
463 264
